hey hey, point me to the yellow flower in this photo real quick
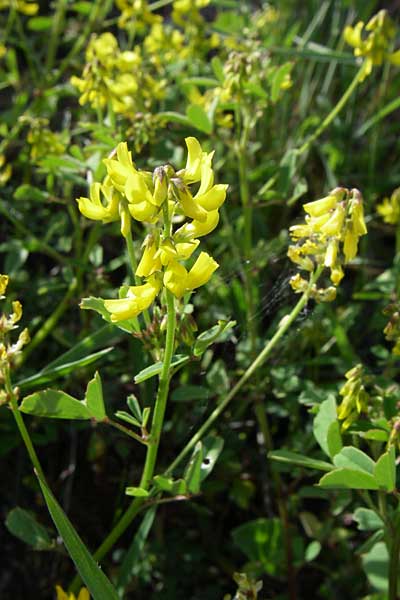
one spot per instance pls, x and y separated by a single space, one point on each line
375 48
94 208
138 299
61 595
26 7
195 161
4 279
149 263
201 271
355 398
197 229
175 277
389 209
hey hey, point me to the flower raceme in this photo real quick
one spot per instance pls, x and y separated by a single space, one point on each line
329 237
160 200
375 48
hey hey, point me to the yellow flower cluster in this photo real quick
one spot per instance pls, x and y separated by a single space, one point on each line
188 11
26 7
329 237
9 351
112 77
376 47
355 397
42 140
135 14
161 199
389 209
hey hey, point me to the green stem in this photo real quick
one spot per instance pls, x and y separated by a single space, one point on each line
162 395
153 440
58 23
125 430
21 425
325 123
53 319
159 4
285 324
334 112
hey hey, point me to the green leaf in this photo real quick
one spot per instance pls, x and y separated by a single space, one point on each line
209 336
293 458
50 373
167 484
93 577
385 470
218 68
156 368
138 492
94 398
367 519
334 439
134 407
353 458
24 526
130 566
212 448
40 23
349 479
125 416
54 404
146 415
312 551
199 118
326 416
30 192
171 116
261 541
375 565
192 472
189 393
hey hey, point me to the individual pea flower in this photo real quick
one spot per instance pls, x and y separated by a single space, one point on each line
328 237
355 397
138 299
389 208
376 47
61 595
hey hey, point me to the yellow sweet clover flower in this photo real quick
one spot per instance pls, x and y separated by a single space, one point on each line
389 208
111 76
42 140
188 11
160 200
329 237
355 397
376 47
26 7
61 595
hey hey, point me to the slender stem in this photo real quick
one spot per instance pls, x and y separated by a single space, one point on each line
325 123
286 322
335 111
21 425
125 430
53 319
153 440
58 22
162 395
159 4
